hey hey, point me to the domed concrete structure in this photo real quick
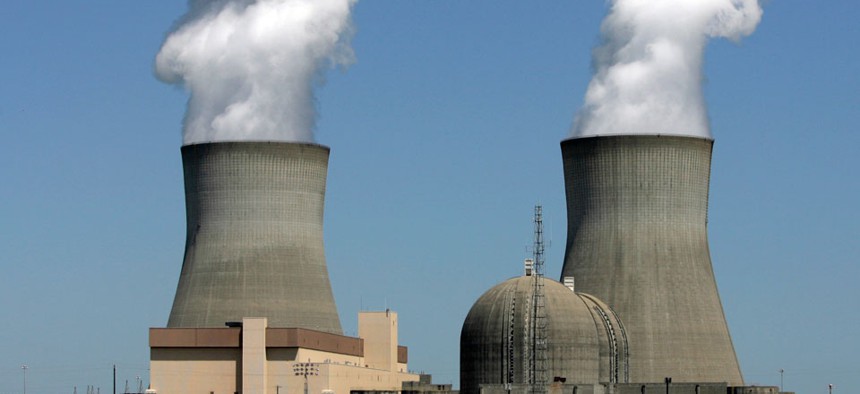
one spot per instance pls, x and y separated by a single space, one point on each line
614 350
585 340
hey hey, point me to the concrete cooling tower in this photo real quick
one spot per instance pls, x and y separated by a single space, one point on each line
637 239
254 245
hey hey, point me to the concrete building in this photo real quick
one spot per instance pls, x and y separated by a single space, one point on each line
559 387
253 358
254 244
586 342
425 385
637 239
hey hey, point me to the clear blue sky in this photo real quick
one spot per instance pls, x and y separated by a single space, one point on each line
444 134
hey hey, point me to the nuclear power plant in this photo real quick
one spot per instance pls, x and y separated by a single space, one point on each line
635 309
638 307
637 303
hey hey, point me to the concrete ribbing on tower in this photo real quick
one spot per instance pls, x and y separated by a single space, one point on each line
254 245
637 239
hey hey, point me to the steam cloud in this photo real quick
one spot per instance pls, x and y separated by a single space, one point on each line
648 67
251 65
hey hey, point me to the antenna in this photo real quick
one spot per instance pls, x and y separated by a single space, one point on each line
535 343
539 339
538 246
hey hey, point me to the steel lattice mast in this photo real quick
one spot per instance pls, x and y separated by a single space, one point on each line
539 338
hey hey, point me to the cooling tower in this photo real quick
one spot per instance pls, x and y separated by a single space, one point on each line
254 245
637 239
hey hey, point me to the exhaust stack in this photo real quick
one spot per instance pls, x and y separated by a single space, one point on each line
254 245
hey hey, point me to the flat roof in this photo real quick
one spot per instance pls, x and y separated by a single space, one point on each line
231 337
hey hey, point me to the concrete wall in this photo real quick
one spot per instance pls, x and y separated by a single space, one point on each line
379 331
195 370
204 370
613 342
754 390
673 388
340 378
254 371
343 379
637 239
626 388
254 243
552 388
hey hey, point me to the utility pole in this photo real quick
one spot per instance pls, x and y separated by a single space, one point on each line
781 372
114 379
24 368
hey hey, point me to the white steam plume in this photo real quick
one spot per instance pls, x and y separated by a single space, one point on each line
251 65
648 67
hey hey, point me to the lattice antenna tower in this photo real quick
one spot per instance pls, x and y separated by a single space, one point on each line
539 337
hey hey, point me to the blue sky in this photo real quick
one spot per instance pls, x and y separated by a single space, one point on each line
444 134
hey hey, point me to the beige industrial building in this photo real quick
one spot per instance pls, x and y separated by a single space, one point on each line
252 358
